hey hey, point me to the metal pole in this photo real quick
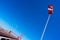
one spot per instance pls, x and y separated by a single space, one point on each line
45 27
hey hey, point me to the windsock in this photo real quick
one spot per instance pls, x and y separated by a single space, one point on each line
50 9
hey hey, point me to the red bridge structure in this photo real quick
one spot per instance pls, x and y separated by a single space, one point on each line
8 35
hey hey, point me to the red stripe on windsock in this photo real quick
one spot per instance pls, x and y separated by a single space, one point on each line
50 6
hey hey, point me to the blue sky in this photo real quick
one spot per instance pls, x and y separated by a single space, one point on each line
29 17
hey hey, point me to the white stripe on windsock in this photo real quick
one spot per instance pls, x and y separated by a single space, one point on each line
50 9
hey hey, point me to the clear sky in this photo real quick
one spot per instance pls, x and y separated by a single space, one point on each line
29 17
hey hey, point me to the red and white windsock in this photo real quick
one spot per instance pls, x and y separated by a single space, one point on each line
50 9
